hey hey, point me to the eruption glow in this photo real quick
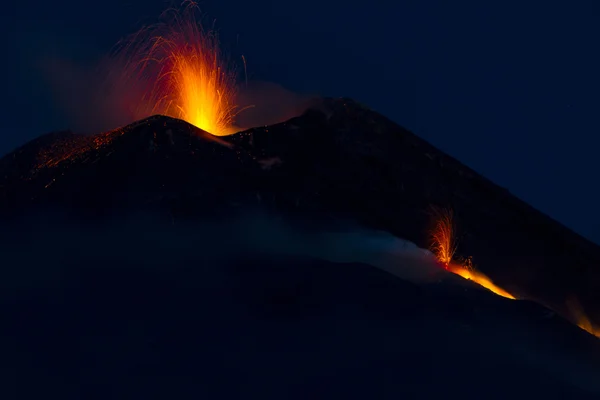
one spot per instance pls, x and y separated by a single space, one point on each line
479 278
580 317
443 242
443 245
176 69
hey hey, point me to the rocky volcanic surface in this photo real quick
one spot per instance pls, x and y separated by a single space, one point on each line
337 159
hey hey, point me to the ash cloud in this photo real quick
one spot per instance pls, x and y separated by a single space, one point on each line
268 103
94 97
40 249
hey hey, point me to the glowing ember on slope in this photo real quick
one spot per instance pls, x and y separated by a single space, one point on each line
580 317
479 278
76 147
443 245
72 148
178 71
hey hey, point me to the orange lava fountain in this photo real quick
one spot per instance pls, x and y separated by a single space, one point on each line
443 245
178 71
443 241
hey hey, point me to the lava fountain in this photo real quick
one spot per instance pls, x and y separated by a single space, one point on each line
443 237
444 245
175 68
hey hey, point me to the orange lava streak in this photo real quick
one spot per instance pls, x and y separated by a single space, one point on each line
479 278
580 317
180 72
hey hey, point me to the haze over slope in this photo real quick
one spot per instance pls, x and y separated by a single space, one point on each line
271 307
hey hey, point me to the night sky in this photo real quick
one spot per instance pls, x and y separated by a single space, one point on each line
509 88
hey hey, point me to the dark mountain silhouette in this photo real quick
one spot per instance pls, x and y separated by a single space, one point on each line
338 160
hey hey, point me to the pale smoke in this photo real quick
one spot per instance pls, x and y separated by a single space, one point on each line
40 247
266 103
354 244
95 98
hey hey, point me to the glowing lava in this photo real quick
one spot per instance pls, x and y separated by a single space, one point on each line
443 242
178 70
580 317
443 245
479 278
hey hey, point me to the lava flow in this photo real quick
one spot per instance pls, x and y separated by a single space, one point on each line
580 317
469 273
179 71
443 245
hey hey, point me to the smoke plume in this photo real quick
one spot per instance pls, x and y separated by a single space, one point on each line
93 97
40 248
267 103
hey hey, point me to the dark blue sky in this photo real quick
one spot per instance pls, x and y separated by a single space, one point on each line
509 88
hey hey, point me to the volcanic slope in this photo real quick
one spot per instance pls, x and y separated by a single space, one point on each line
337 159
270 327
146 164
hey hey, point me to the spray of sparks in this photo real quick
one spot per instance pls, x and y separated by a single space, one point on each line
443 238
444 245
178 71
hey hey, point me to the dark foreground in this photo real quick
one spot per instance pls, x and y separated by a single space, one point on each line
209 322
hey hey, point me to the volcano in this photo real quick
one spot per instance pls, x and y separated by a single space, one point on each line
338 161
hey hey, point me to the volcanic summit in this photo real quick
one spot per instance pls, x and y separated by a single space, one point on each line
338 161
